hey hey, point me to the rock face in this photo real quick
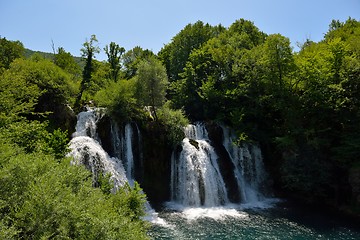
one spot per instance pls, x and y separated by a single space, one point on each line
156 172
64 117
354 180
104 132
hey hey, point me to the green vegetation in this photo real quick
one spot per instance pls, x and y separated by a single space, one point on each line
43 199
173 122
302 107
114 53
88 52
150 84
42 196
9 51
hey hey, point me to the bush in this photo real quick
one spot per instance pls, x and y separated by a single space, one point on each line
174 122
32 136
41 198
118 98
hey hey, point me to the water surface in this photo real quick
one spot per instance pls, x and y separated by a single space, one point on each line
251 222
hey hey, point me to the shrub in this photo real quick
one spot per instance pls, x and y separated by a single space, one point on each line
174 122
41 198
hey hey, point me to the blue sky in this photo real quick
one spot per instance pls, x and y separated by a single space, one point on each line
152 23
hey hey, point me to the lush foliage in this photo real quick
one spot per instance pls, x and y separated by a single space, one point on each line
67 62
174 122
150 84
42 198
114 53
302 107
35 89
193 36
118 98
9 51
88 52
41 195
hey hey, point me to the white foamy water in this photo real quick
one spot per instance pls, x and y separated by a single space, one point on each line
87 151
216 213
196 178
153 217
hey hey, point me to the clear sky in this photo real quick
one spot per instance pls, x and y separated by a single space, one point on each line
152 23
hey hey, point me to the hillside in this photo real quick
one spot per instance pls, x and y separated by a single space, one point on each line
46 55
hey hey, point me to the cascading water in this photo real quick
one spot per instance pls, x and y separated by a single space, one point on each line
86 123
87 150
123 147
196 179
119 146
129 152
248 167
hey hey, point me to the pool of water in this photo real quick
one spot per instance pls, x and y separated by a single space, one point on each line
266 220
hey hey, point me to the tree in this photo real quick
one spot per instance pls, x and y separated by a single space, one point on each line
18 97
278 59
151 83
9 51
175 54
118 99
335 24
209 85
114 53
88 52
338 52
132 58
243 26
66 61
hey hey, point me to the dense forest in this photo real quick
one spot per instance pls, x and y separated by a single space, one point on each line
301 107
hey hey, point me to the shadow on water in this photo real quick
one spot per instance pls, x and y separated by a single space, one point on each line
323 220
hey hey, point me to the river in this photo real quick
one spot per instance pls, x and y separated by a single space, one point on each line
279 221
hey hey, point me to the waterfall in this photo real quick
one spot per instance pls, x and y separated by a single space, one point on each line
208 170
129 156
89 152
196 179
86 123
123 147
85 148
248 167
